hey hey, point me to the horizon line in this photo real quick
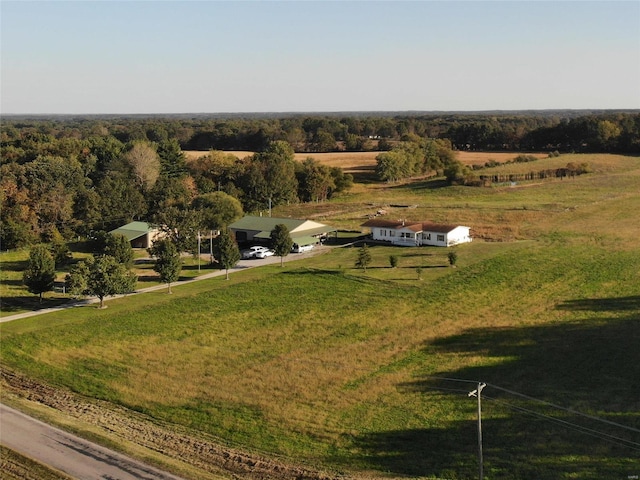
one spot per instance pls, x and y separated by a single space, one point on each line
323 112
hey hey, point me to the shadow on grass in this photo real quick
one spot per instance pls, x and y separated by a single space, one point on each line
17 266
148 278
538 379
430 184
603 304
365 174
31 303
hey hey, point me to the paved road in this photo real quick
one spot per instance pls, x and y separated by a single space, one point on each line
68 453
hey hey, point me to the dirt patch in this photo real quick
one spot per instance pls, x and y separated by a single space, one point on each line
202 453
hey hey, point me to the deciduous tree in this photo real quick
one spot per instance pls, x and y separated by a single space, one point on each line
40 274
119 247
168 263
281 241
226 250
145 163
217 210
101 276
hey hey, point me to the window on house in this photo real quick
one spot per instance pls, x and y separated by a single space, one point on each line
441 238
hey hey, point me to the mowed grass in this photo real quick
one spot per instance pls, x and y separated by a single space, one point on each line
369 371
16 299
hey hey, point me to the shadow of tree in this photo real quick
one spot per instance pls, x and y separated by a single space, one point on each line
562 401
431 184
31 303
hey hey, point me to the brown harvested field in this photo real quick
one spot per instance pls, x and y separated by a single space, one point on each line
480 158
358 161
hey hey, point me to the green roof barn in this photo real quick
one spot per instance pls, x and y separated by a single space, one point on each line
258 229
140 234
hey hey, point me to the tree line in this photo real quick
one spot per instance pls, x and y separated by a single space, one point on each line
68 187
66 177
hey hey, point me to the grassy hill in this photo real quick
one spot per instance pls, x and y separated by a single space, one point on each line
368 373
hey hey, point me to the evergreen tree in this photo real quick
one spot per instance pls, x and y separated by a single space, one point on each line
226 250
41 271
281 241
168 263
453 258
364 257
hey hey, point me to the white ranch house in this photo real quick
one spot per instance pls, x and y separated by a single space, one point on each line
414 234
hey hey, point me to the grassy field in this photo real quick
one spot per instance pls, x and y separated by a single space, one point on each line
16 299
369 372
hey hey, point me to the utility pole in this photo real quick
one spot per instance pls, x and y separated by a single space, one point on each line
211 246
199 237
476 393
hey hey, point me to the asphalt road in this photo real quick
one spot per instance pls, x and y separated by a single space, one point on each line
68 453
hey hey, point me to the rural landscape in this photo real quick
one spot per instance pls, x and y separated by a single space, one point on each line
515 354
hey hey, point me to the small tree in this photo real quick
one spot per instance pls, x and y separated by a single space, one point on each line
76 280
119 247
168 264
59 249
281 241
364 257
226 250
453 258
393 261
101 276
41 271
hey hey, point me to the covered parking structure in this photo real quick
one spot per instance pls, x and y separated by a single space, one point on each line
251 229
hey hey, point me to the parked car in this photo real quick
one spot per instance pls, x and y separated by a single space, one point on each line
265 253
301 248
257 251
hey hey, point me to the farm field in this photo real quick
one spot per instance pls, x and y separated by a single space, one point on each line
359 160
322 367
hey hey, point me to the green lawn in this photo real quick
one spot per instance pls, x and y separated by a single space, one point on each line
370 371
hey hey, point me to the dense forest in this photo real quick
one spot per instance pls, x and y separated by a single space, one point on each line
67 176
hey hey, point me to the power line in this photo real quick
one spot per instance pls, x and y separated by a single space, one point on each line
591 417
588 431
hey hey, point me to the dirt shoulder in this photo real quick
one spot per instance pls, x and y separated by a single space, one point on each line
124 427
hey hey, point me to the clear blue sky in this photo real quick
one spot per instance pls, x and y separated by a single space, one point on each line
276 56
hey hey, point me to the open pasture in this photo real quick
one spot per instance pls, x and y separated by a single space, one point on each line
368 373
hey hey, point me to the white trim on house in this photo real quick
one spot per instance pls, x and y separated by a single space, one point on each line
415 234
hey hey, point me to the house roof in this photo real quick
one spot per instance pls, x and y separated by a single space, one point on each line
264 225
414 226
133 230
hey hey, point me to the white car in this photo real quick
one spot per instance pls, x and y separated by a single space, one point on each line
301 248
257 251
